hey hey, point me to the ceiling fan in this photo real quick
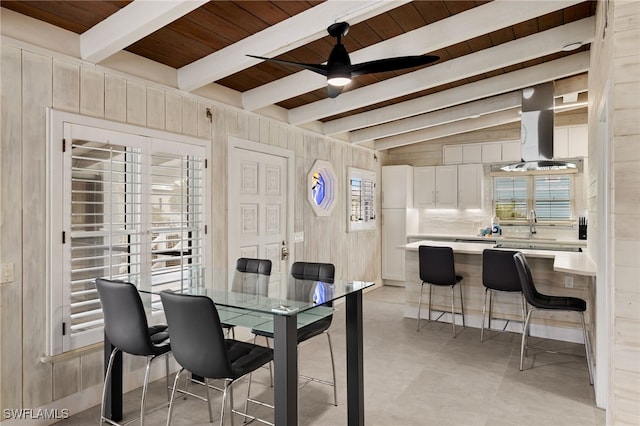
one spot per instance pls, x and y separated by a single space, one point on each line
339 69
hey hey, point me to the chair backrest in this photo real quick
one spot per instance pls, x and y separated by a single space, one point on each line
499 270
313 271
125 322
307 274
526 280
437 265
197 339
256 266
252 276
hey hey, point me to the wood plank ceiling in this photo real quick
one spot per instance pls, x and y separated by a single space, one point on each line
466 35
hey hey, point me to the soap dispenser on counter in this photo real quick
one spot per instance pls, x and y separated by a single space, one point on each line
495 226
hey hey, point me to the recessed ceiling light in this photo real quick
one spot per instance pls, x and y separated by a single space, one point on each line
572 46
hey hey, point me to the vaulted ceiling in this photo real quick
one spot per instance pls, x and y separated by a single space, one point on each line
489 51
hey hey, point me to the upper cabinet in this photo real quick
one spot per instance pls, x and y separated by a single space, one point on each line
491 152
435 187
481 153
452 154
397 187
472 153
512 151
470 177
570 142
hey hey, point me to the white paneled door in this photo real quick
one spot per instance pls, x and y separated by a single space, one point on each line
258 194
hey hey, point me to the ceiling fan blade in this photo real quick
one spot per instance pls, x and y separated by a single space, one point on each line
392 64
319 68
334 91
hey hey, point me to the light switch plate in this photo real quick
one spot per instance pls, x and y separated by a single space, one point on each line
298 237
568 281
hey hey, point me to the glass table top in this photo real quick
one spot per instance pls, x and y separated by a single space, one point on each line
237 294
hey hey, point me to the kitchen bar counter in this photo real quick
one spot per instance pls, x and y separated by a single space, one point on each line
578 263
554 272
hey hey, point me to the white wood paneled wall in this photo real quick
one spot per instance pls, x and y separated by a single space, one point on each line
614 92
33 80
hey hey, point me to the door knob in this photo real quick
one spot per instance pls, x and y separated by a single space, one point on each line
284 251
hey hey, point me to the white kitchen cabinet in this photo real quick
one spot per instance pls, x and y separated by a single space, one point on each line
470 178
570 142
511 151
424 187
447 187
491 152
472 153
436 187
396 225
452 154
397 187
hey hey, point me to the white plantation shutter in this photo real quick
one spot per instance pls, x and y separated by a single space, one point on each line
510 197
131 208
551 196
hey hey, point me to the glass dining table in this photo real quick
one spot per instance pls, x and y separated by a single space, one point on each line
279 301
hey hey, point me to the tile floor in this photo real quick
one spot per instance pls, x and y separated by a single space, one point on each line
411 378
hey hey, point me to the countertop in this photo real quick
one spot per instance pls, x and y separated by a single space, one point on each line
499 238
577 263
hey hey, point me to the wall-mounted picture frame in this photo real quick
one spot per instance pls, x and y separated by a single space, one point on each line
322 188
361 200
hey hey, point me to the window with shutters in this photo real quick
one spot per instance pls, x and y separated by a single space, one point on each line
129 206
551 196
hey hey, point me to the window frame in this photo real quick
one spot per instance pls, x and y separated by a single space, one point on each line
64 125
531 200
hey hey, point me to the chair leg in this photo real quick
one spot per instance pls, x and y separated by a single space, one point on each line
107 380
166 365
206 386
484 313
173 395
246 403
333 370
224 402
145 385
461 305
453 311
490 308
429 311
419 305
587 346
231 402
523 310
524 338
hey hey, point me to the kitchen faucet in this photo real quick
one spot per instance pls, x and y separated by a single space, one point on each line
532 219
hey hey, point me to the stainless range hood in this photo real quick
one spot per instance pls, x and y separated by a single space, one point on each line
536 131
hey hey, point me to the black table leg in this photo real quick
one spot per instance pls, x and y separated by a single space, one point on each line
285 359
355 371
113 404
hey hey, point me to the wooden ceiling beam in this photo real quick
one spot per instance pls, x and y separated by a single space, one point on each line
438 35
504 55
130 24
436 132
280 38
485 104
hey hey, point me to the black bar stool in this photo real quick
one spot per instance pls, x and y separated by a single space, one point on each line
499 273
543 301
437 268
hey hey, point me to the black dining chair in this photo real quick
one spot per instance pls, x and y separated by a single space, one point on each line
126 327
251 277
307 274
499 273
200 347
546 302
437 267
